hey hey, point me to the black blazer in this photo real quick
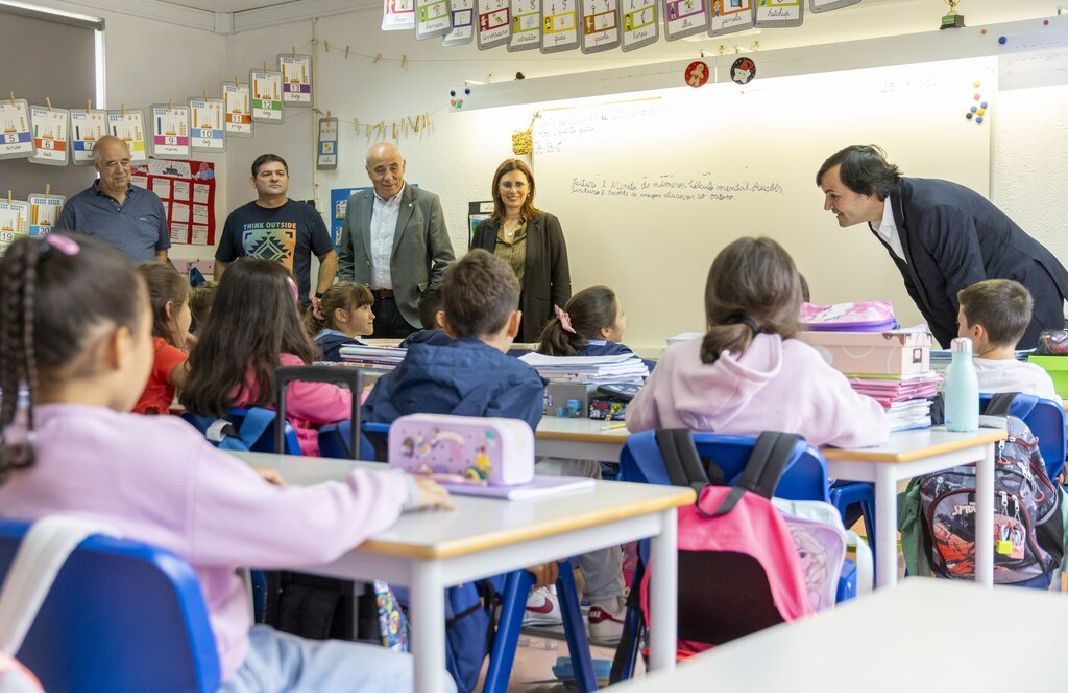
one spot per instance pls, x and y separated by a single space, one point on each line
546 281
952 237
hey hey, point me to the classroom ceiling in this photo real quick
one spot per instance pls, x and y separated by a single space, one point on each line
229 5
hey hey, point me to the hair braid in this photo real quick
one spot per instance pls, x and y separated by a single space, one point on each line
17 278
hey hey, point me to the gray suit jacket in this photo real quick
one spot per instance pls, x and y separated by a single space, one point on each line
421 246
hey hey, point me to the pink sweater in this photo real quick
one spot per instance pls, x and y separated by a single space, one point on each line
159 481
308 405
776 385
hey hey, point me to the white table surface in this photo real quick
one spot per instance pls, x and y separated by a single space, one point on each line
926 635
430 550
580 439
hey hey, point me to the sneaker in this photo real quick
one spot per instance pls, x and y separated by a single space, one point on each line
543 608
605 619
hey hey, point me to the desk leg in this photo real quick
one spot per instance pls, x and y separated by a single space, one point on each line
885 526
428 627
664 592
984 518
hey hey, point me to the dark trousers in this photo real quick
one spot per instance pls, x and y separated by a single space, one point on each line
389 323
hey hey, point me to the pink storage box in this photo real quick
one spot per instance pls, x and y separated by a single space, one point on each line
499 452
873 353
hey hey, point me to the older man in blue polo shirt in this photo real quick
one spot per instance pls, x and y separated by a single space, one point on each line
128 217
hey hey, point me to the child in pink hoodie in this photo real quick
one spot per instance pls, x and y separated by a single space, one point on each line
75 353
254 328
748 374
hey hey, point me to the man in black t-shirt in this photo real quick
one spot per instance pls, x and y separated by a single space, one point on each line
277 228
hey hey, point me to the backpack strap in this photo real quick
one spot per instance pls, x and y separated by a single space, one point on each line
771 453
680 457
257 419
1015 404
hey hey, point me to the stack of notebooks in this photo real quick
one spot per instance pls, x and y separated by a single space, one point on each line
380 358
620 368
906 398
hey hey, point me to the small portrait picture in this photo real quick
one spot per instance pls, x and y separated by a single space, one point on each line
743 71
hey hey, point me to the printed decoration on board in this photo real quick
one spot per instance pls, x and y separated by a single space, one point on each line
339 201
14 221
825 5
780 13
494 23
86 128
238 107
44 212
559 25
696 74
432 18
326 151
398 14
208 120
600 25
16 137
187 189
266 93
129 126
731 15
51 130
743 70
684 18
170 131
640 26
463 23
296 79
526 25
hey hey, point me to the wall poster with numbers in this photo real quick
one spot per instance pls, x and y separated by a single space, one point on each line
296 79
170 131
238 107
640 27
16 136
526 25
51 130
600 25
187 189
208 121
559 25
86 128
129 126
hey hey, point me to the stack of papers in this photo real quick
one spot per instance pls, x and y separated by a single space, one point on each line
905 398
382 358
940 358
620 368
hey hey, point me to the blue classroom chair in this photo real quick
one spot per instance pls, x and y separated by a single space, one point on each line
252 430
335 441
120 616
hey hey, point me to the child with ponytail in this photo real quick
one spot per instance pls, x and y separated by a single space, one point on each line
591 323
339 317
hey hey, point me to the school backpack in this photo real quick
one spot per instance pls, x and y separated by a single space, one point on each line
1028 530
738 568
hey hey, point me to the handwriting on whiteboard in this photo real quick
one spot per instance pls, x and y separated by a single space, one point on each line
671 187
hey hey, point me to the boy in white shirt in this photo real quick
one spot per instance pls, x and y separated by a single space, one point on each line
994 313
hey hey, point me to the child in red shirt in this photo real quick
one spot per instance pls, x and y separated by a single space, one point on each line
169 295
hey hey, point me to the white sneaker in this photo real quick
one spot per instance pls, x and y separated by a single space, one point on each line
543 607
605 619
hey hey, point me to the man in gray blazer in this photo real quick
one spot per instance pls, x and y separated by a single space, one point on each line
394 240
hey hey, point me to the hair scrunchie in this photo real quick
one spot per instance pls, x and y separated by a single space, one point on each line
743 320
564 318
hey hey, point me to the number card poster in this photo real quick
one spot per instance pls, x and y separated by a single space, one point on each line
730 15
398 14
129 126
493 23
559 25
463 23
16 141
44 213
526 25
86 127
170 131
600 25
51 129
639 23
209 135
296 79
266 96
238 111
14 221
187 189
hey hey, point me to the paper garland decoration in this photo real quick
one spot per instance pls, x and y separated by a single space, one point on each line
86 128
44 213
238 107
432 18
559 25
208 121
640 25
780 13
266 93
51 130
684 18
129 126
170 131
600 25
296 79
526 25
494 23
729 16
16 139
463 23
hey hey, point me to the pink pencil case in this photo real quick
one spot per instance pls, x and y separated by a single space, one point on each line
856 316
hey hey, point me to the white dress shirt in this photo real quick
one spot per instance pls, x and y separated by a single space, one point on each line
888 230
383 227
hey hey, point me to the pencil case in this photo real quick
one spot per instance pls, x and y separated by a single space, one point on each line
858 316
458 449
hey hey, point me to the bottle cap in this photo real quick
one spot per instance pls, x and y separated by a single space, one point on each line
961 345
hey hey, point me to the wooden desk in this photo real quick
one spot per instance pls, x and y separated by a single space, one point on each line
580 439
429 551
912 453
890 641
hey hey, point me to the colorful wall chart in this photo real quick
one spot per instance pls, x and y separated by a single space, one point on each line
170 131
494 23
600 25
463 23
16 140
86 128
14 221
187 189
398 14
559 25
684 18
526 25
208 133
44 212
432 18
129 126
266 96
780 13
730 15
296 79
51 129
238 108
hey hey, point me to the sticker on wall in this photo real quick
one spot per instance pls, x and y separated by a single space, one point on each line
696 74
640 27
44 213
86 128
51 130
296 79
326 151
825 5
743 70
463 23
170 131
780 13
16 138
731 15
600 25
398 14
494 23
432 18
207 117
526 25
559 25
684 18
266 93
238 108
14 220
129 126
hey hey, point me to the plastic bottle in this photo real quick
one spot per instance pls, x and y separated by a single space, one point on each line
574 408
962 389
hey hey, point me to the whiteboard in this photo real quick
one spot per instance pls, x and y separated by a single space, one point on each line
650 186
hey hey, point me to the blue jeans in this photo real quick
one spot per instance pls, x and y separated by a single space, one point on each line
283 662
